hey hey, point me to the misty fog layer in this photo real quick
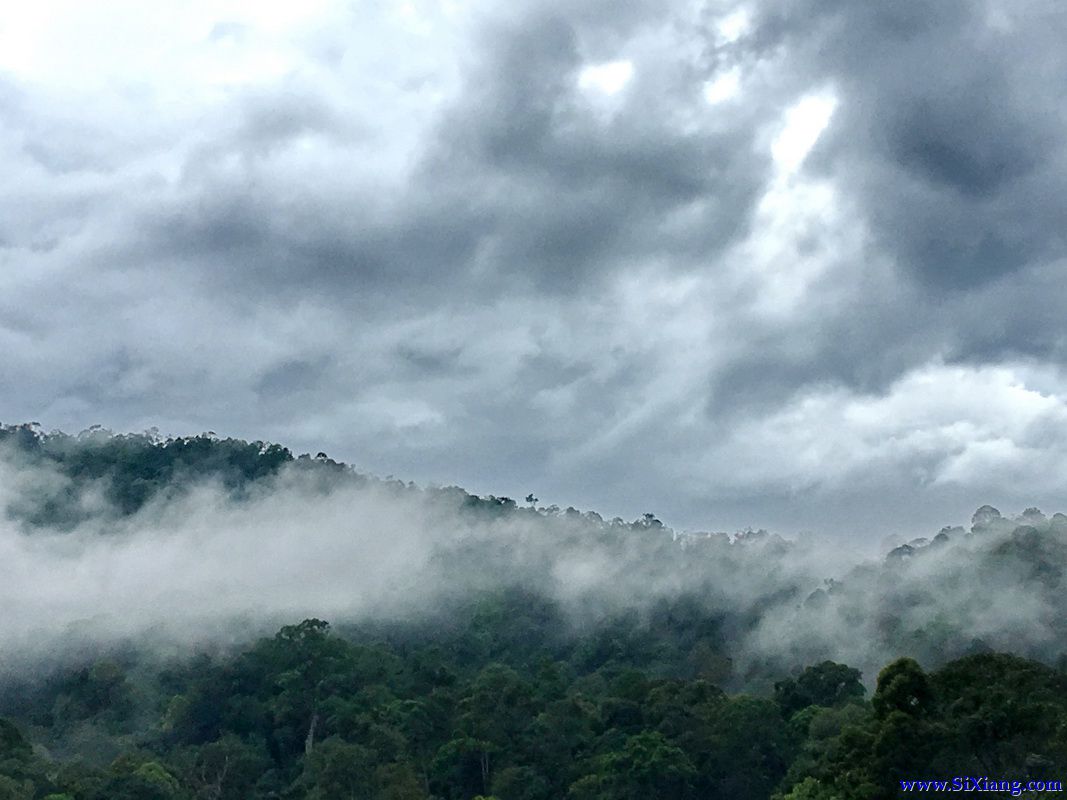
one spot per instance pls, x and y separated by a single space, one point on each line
206 563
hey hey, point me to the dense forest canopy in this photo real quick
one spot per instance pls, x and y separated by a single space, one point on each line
477 646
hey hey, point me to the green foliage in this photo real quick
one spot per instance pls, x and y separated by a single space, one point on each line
12 743
987 714
138 777
131 469
501 696
810 789
309 714
339 770
903 688
226 769
11 789
825 684
648 765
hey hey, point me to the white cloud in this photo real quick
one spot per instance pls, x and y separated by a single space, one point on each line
734 25
724 87
803 124
979 427
609 78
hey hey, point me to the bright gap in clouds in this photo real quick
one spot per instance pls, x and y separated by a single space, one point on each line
734 25
724 87
609 78
804 124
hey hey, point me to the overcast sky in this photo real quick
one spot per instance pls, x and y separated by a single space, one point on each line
796 264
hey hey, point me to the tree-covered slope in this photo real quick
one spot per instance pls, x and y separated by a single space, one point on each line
311 714
484 647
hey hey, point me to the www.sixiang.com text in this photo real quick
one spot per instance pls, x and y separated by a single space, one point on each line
1014 788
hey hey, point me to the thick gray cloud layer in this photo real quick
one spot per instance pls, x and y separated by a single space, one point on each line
794 264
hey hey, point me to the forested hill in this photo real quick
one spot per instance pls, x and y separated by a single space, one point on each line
152 643
313 715
131 469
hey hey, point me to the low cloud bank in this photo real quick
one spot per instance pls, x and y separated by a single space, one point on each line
208 564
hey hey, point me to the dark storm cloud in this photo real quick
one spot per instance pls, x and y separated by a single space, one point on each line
569 194
948 135
452 256
291 376
1016 316
520 183
950 126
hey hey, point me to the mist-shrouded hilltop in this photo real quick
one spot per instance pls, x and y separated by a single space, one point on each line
143 582
130 534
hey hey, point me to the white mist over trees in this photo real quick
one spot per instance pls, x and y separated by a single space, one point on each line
200 539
